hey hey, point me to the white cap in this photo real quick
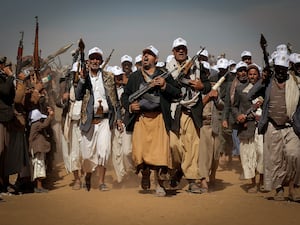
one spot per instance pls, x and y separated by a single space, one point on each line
109 68
215 67
36 115
246 53
169 58
282 60
95 50
297 58
126 58
205 65
241 64
160 64
204 52
254 65
116 70
231 62
179 41
75 67
138 58
292 57
152 49
282 49
222 63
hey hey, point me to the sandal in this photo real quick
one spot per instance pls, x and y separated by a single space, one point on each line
279 196
160 192
77 185
194 188
40 190
252 190
103 187
294 197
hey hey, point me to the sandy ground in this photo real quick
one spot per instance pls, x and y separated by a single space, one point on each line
226 203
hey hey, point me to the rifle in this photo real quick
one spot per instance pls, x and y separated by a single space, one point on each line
206 98
136 95
75 56
263 45
20 55
107 60
187 66
36 61
81 47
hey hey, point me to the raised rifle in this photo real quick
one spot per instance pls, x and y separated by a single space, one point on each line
81 47
187 66
215 87
268 69
136 95
20 54
107 60
36 61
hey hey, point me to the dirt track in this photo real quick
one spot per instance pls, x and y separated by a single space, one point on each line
125 204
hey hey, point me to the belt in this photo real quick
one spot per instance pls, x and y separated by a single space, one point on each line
208 117
279 127
98 118
186 111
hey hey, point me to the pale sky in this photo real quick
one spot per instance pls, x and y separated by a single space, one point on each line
228 27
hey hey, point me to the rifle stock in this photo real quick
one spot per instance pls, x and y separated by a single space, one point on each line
215 87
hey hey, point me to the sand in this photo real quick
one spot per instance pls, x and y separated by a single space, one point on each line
125 203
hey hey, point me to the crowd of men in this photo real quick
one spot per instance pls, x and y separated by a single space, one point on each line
174 119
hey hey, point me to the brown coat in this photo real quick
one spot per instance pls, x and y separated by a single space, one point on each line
38 140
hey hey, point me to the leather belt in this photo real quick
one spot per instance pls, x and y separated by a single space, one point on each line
98 118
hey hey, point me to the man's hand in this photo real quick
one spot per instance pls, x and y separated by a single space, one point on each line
241 118
196 84
134 107
159 81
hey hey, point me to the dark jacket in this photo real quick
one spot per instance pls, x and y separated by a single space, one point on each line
166 96
242 105
7 95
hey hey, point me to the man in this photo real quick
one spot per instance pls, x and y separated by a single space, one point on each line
228 120
246 57
281 144
209 135
138 62
150 119
188 117
121 140
96 89
126 64
7 95
71 136
245 114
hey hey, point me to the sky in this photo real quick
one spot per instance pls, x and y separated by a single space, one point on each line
128 27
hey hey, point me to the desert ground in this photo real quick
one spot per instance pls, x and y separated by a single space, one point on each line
226 203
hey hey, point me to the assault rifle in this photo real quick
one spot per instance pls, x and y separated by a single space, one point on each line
215 87
81 47
136 95
107 60
20 55
187 66
267 69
